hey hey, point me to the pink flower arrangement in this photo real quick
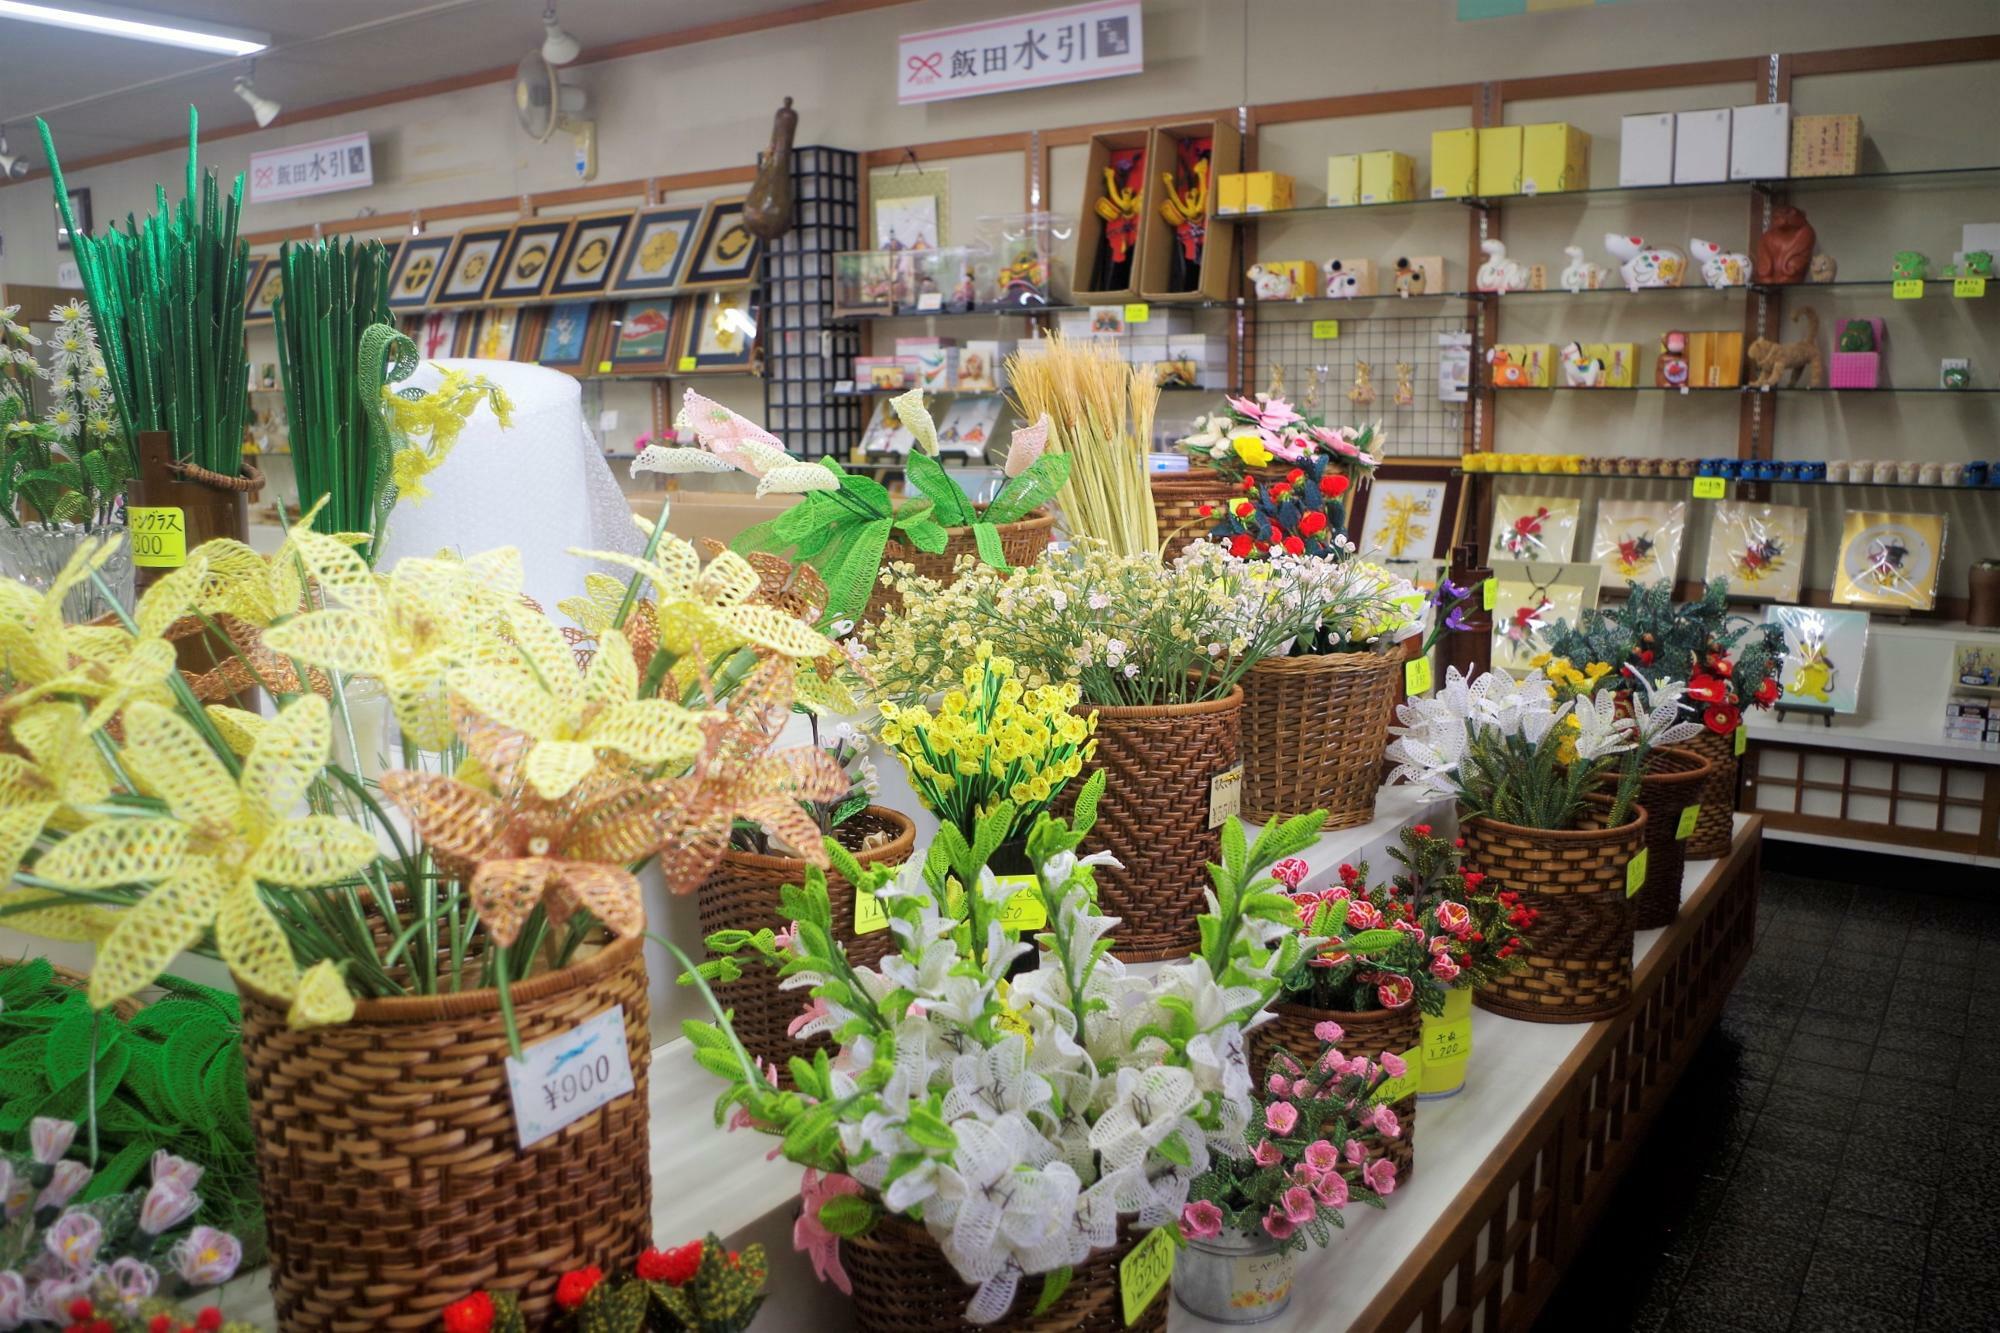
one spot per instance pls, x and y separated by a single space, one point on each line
809 1234
1290 872
1279 1117
1380 1176
1328 1031
1201 1220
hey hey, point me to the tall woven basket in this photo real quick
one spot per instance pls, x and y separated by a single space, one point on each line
1672 782
1177 502
1021 543
1398 1031
392 1178
904 1284
1160 764
1314 729
742 894
1580 950
1715 829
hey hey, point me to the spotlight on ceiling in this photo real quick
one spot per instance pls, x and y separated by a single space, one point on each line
12 168
558 47
265 109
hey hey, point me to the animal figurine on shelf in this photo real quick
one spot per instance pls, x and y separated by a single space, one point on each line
1719 267
1345 279
1579 370
1410 278
1672 371
1909 266
1363 392
1275 282
1857 335
1774 359
1507 372
1642 265
1972 264
1499 273
1580 274
1784 251
1824 268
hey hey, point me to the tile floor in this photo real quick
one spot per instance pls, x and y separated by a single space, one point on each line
1831 1159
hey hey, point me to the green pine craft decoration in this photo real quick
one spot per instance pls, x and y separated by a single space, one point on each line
167 296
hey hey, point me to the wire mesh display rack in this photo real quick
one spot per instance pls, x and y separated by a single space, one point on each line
1303 352
806 354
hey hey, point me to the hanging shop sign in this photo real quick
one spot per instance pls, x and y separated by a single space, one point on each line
1097 41
312 168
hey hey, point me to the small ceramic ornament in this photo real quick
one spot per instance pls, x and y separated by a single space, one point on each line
1642 265
1274 282
1580 274
1363 392
1581 371
1671 371
1719 267
1824 268
1784 251
1499 273
1909 266
1410 279
1972 264
1406 384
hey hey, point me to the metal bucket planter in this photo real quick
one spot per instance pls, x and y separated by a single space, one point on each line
1234 1278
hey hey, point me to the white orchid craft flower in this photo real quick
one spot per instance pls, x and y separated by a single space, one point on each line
725 442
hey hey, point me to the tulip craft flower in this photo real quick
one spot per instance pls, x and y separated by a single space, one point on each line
699 1287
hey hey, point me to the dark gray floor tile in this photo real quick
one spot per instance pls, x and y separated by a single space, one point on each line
1833 1051
1918 1067
1819 1315
1814 1109
1894 1090
1867 1260
1789 1138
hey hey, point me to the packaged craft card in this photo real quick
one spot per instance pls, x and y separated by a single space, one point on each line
1534 527
1529 598
1403 520
1889 560
1638 541
1759 549
1824 653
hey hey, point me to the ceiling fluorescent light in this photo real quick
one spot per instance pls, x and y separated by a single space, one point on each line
137 29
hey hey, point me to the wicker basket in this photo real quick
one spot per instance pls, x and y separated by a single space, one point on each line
1580 954
1672 781
1160 762
904 1284
1715 829
1398 1031
1177 502
1314 729
742 894
1021 543
392 1176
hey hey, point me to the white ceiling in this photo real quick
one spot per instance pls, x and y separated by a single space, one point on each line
128 93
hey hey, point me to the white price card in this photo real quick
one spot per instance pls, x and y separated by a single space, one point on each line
563 1079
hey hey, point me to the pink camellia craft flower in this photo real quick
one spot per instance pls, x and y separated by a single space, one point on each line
1266 1153
1280 1117
1201 1220
1328 1031
1380 1176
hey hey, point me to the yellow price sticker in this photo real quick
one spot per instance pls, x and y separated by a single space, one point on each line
869 914
1144 1273
686 364
1138 312
1964 287
1395 1089
1711 488
1023 910
1742 740
1690 816
1447 1041
1417 676
604 367
1324 329
1907 289
159 536
1489 594
1635 872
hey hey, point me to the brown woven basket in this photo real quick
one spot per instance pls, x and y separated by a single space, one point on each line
1398 1031
1672 781
1159 761
742 894
1177 502
1314 729
391 1173
1021 543
1580 955
904 1284
1715 829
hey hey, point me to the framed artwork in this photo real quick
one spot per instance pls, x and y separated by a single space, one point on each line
468 273
1534 527
656 253
1404 520
262 306
584 264
909 208
253 273
1638 541
1529 599
528 260
437 334
1975 667
79 206
564 343
969 425
1889 560
493 333
726 253
642 335
1824 653
720 332
415 273
1759 549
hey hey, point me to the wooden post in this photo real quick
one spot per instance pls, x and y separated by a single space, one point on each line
207 513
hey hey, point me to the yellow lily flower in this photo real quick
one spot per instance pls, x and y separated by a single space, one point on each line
694 604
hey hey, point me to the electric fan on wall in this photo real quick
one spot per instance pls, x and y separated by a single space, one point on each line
545 104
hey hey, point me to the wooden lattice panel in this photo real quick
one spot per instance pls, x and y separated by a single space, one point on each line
1942 804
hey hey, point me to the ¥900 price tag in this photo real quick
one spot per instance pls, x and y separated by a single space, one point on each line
563 1079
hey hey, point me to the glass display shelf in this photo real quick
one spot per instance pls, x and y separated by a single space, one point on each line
1741 389
1732 481
1027 311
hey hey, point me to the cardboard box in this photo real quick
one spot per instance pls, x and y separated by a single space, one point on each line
1218 261
1388 177
1826 145
1715 359
1621 362
1343 180
1287 280
1341 278
1646 149
1701 146
1090 227
1760 142
1500 160
1554 157
1454 163
1229 193
1264 191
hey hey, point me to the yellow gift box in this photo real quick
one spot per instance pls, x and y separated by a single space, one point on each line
1554 157
1500 160
1264 191
1621 361
1388 177
1343 180
1454 163
1229 192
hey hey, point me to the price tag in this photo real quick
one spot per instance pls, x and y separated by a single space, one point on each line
1965 287
604 367
561 1080
1138 312
159 537
1690 816
1907 289
686 364
1144 1273
1635 872
931 301
869 915
1742 742
1323 329
1024 910
1711 488
1448 1041
1395 1089
1417 676
1225 795
1489 594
